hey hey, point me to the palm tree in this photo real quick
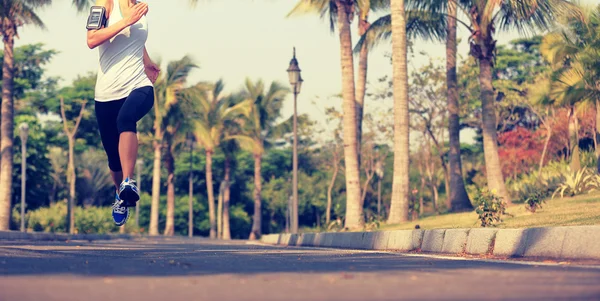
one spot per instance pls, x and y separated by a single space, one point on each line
458 198
484 16
401 182
341 12
13 14
256 129
215 112
573 52
166 98
487 17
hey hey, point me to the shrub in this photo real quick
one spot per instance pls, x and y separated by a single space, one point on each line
576 183
490 207
534 201
88 220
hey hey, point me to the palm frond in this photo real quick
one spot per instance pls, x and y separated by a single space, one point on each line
420 24
325 9
527 16
247 143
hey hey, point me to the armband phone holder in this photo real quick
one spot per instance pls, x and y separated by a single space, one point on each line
97 18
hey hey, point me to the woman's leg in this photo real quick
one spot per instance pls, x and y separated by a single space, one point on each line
136 106
106 116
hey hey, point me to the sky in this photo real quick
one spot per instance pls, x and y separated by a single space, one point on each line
232 40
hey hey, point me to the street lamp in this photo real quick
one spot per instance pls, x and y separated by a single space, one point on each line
24 131
296 83
190 143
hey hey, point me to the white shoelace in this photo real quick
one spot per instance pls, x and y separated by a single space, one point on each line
118 208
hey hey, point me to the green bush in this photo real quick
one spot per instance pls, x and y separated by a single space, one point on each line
534 201
48 219
490 207
88 220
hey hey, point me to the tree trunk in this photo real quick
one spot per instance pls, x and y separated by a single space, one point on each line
71 179
6 131
153 230
597 136
421 189
379 197
401 184
220 211
361 82
226 195
170 218
574 141
490 136
256 223
354 212
211 196
458 199
329 190
548 137
190 202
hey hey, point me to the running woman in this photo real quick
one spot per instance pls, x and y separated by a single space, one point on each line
124 91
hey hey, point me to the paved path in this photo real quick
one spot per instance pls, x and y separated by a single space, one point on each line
180 269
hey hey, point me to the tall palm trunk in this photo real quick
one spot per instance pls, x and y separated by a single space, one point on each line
458 199
226 195
211 197
256 223
155 185
400 185
361 81
220 211
490 135
170 218
6 129
354 212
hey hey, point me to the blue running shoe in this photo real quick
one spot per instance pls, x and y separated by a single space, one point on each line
128 192
120 213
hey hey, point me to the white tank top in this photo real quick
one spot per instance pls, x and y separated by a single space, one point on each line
121 59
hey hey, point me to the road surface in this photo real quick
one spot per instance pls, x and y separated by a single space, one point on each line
181 269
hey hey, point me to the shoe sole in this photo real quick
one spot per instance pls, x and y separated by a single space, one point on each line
129 197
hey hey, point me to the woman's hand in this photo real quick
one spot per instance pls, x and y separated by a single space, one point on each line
135 13
152 71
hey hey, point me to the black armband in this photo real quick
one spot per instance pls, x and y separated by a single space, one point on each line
97 18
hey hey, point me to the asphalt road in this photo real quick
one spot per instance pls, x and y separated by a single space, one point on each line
181 269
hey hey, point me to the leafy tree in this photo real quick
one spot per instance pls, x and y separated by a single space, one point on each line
258 127
215 115
166 97
13 14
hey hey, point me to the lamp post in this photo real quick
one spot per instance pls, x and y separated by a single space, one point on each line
190 143
138 164
24 131
296 83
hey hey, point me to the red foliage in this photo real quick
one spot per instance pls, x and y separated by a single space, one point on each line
520 149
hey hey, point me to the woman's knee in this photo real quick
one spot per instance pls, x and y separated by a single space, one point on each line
126 123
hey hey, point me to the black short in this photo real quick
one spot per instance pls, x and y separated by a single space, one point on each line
118 116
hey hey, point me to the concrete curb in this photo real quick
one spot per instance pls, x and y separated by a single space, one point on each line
44 236
573 242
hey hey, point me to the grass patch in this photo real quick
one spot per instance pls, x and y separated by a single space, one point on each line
575 211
